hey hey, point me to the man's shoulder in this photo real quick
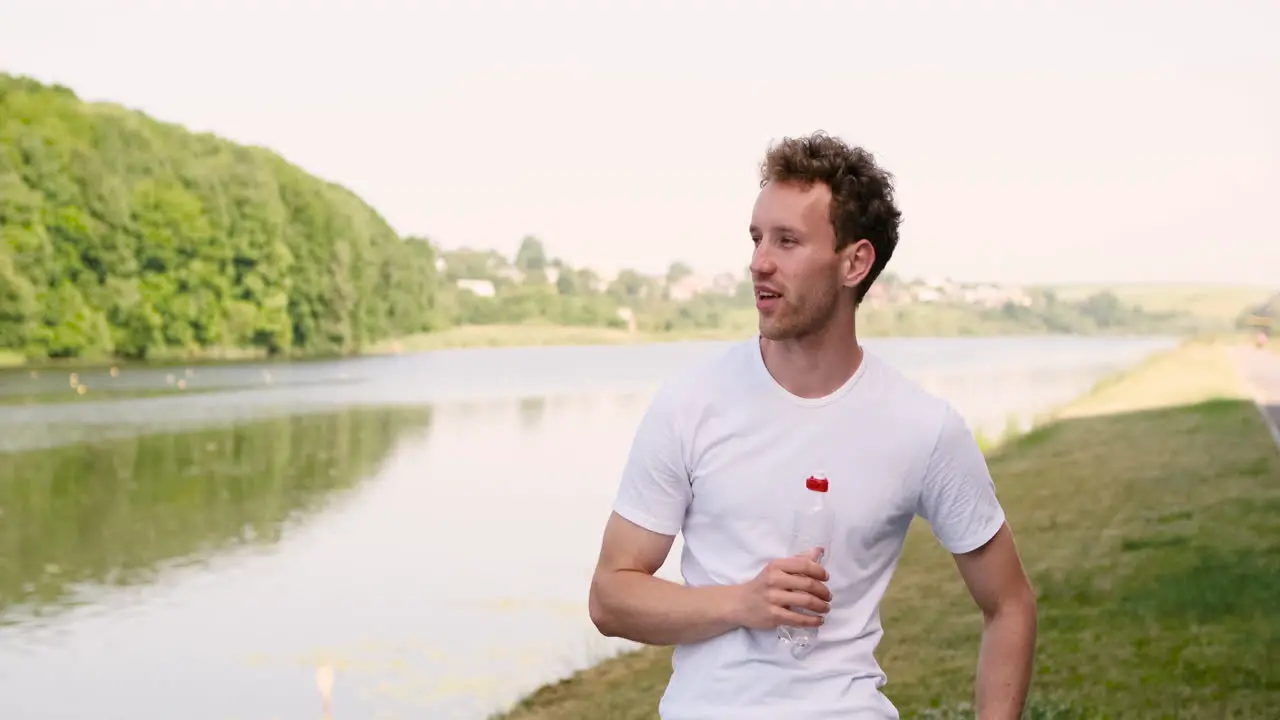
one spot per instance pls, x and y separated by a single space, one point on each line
905 403
724 373
890 382
726 368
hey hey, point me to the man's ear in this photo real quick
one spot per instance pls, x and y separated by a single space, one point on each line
856 262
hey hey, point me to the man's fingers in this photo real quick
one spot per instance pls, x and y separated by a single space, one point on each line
794 599
801 565
808 585
795 619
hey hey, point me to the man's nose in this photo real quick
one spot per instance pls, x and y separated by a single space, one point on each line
761 261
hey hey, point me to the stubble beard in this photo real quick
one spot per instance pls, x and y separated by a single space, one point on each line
809 315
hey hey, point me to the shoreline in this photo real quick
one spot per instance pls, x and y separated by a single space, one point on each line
1096 438
474 337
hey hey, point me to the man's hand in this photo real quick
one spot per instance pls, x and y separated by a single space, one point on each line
765 602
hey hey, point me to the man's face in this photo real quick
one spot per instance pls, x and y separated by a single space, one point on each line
800 279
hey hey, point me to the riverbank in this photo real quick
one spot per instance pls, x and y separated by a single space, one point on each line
491 336
455 338
1146 515
541 335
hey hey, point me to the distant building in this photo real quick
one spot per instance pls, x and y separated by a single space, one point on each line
482 288
629 317
724 284
927 294
687 287
510 273
993 296
603 280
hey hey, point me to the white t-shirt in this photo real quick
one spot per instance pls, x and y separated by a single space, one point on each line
722 454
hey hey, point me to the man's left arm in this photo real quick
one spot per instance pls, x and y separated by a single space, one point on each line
999 586
958 499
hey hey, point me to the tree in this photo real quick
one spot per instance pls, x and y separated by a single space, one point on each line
123 235
531 255
677 272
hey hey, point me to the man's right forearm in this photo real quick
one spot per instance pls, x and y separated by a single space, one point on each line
647 609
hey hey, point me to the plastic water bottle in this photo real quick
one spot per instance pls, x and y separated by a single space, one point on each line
812 529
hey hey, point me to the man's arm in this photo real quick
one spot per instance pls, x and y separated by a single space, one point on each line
628 601
998 584
959 500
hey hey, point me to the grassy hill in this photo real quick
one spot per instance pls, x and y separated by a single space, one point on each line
1217 307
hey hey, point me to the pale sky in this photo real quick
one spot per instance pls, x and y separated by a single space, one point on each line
1032 141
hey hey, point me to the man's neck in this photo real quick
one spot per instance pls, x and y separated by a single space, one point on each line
817 364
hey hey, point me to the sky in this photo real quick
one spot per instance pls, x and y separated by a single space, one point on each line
1031 141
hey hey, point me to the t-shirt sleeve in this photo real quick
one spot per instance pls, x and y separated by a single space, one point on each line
958 495
655 488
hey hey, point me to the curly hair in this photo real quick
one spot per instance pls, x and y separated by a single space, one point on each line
861 192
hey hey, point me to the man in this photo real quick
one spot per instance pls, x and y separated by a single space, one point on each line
722 455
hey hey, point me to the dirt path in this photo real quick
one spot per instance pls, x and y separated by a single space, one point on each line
1261 370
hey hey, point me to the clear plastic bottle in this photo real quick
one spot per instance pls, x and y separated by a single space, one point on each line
812 528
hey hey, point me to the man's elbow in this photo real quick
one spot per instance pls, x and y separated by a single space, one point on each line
598 608
1019 602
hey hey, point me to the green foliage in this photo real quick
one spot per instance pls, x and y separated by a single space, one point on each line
123 235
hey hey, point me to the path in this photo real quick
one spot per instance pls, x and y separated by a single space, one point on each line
1261 371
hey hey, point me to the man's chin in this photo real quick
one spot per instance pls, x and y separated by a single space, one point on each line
771 330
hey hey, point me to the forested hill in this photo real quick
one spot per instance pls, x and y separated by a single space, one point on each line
123 235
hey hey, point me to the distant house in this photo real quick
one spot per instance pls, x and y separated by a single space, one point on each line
629 317
482 288
877 296
993 296
510 273
724 283
687 287
603 280
927 294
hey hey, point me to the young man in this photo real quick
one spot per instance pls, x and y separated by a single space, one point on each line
722 455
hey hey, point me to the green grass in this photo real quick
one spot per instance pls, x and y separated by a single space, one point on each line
1147 515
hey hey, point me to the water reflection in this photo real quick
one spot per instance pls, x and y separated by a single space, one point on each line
119 512
532 409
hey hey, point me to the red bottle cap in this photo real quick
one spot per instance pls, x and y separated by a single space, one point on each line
816 484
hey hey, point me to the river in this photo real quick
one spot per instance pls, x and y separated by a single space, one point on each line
193 541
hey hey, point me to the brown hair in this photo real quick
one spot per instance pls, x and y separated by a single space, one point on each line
861 192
